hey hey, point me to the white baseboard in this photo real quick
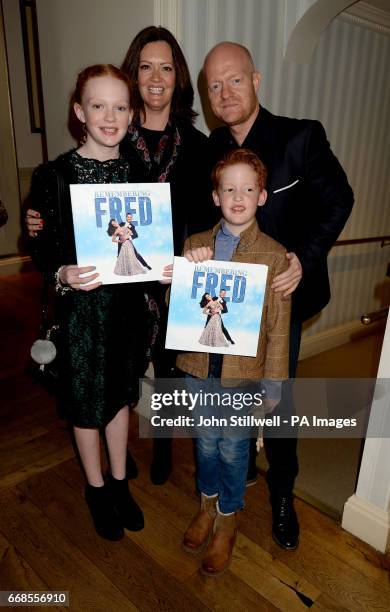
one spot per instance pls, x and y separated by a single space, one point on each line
367 522
333 337
15 264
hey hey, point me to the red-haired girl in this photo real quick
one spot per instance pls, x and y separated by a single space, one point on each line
103 353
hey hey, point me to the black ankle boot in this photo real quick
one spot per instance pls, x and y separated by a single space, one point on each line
104 516
285 526
161 466
131 467
129 512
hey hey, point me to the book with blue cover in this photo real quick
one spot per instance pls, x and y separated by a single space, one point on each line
124 229
216 307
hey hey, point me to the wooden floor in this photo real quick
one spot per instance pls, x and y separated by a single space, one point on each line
47 541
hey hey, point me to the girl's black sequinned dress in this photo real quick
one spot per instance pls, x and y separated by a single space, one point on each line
105 333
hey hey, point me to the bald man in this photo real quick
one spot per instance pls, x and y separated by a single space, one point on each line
309 201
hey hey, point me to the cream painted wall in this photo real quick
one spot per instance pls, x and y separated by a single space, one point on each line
73 34
28 145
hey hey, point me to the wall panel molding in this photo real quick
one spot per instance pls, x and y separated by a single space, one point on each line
304 25
168 13
367 16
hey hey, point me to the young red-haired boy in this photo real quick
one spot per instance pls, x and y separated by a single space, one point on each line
222 460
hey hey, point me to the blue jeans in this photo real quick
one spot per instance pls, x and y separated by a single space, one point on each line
222 457
222 469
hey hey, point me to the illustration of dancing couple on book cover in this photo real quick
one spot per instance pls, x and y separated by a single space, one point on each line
129 261
215 307
215 332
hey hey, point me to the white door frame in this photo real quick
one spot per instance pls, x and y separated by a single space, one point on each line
367 512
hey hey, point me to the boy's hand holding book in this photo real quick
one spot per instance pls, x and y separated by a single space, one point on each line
196 255
199 254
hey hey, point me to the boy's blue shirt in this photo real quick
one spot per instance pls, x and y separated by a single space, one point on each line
225 243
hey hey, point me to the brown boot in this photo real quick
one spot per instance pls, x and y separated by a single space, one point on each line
197 535
220 549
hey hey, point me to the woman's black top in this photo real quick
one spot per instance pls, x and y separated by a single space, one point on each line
179 156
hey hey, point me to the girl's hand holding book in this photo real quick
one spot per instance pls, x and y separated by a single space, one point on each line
167 273
74 277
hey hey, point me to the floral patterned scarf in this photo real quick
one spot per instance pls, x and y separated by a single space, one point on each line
166 152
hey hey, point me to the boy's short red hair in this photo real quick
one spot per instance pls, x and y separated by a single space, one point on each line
239 156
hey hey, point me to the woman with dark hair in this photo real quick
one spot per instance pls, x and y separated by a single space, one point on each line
162 145
183 95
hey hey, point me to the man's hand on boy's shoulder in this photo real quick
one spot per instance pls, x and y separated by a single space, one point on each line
288 280
198 254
